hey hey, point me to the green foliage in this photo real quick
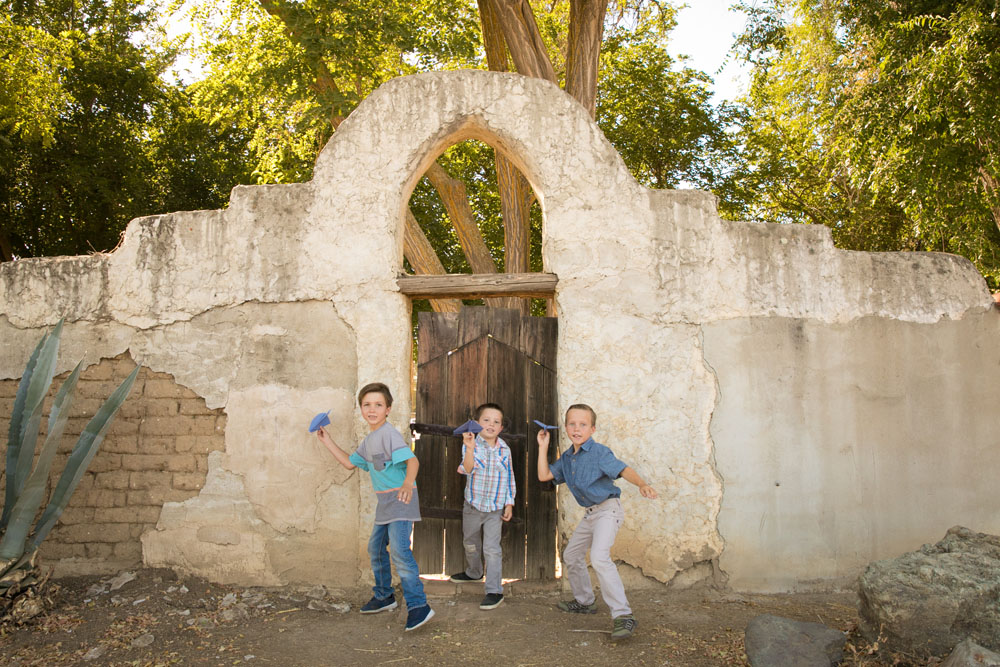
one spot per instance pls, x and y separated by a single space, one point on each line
658 117
877 120
25 485
111 140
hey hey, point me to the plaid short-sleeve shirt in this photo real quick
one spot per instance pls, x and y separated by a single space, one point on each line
490 484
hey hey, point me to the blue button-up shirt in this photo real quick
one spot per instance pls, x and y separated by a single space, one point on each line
589 473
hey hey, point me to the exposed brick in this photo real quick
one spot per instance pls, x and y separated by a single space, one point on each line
158 462
185 443
161 426
204 425
124 427
96 389
165 445
8 388
189 481
132 409
55 549
116 479
194 406
157 496
101 371
128 551
137 529
162 408
209 443
99 551
92 532
120 444
148 480
105 461
131 514
105 498
160 388
74 515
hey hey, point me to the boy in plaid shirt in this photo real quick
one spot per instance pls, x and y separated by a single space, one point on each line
489 499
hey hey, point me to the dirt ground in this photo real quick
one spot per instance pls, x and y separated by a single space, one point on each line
160 619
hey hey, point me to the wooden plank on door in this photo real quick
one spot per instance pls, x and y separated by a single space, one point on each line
541 531
506 370
437 334
428 533
538 340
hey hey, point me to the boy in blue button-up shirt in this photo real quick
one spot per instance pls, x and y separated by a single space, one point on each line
589 469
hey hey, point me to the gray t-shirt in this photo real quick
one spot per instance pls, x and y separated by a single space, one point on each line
383 455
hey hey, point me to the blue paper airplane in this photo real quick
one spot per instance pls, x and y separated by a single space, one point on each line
320 420
468 427
545 426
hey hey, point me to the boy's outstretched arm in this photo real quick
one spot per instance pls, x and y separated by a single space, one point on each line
337 452
645 490
544 474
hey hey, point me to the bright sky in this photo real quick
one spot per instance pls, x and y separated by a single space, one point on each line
705 32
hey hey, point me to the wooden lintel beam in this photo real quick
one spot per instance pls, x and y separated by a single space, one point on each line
476 285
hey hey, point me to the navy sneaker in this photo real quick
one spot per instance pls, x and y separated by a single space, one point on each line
462 578
375 605
417 617
491 601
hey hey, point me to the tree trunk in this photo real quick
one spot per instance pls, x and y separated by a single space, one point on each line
6 249
421 256
524 42
586 31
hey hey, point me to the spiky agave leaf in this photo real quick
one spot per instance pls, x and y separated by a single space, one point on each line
30 498
84 450
27 415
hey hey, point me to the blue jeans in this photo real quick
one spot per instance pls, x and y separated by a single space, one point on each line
392 541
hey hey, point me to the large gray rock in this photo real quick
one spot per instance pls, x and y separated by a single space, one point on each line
925 602
971 654
773 641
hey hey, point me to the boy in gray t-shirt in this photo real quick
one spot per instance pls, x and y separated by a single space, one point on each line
393 468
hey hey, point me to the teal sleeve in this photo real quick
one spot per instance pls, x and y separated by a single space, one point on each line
402 454
356 459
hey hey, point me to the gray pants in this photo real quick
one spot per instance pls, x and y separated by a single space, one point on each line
481 539
596 532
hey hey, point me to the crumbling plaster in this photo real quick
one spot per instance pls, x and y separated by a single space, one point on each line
286 303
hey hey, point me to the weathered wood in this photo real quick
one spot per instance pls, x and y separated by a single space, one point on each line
488 363
420 254
428 533
540 498
437 334
472 286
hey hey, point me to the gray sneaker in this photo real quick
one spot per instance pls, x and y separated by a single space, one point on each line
574 607
624 627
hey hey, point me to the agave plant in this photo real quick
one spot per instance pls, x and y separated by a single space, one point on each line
20 533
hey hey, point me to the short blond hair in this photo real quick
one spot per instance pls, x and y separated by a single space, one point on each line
583 406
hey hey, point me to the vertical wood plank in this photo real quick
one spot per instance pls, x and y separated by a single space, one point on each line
428 533
437 333
541 496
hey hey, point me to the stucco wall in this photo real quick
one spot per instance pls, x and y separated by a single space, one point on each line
286 302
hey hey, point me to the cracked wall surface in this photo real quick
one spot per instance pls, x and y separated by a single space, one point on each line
285 303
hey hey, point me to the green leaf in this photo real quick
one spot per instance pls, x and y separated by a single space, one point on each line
30 498
83 452
14 434
31 414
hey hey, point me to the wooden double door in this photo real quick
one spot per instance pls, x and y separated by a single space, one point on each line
476 356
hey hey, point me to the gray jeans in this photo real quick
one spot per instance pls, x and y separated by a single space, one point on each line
596 532
481 539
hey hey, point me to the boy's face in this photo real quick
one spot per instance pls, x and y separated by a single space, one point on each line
492 422
374 409
579 427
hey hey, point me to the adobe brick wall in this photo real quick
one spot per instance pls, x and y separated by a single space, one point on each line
156 451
